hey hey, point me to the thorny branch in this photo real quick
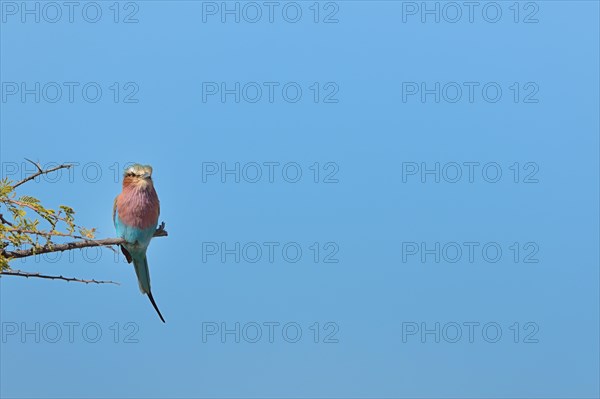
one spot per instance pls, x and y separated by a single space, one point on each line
107 242
4 220
40 172
38 275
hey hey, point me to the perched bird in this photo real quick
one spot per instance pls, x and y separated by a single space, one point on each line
135 214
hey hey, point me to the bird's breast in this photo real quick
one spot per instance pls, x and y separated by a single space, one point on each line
139 207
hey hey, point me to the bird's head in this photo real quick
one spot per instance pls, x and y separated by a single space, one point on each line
138 175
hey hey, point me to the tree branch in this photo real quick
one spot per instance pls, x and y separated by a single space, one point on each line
4 221
38 275
23 253
40 172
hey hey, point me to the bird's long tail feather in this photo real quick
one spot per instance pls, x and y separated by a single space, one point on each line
155 307
143 274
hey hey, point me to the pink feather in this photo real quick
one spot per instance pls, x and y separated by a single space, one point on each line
138 204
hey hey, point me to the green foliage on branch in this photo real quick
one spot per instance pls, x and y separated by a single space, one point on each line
25 223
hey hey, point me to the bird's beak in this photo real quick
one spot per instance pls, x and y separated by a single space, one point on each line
146 175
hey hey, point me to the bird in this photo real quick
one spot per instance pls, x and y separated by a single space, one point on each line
135 215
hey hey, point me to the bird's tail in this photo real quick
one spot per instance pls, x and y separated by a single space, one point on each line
155 307
143 274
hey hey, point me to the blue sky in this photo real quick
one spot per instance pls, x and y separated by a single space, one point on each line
375 204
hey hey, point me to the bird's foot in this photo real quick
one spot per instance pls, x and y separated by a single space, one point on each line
160 231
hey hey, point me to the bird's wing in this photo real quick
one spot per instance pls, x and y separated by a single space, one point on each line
126 253
115 208
123 249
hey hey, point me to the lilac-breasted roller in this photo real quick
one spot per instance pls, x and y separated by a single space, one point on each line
135 214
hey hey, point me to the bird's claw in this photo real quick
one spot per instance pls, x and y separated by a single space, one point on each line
160 230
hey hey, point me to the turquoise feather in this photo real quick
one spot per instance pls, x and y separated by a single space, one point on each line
137 244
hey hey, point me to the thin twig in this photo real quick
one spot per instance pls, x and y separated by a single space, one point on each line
38 275
46 233
42 233
4 221
23 253
40 172
34 207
